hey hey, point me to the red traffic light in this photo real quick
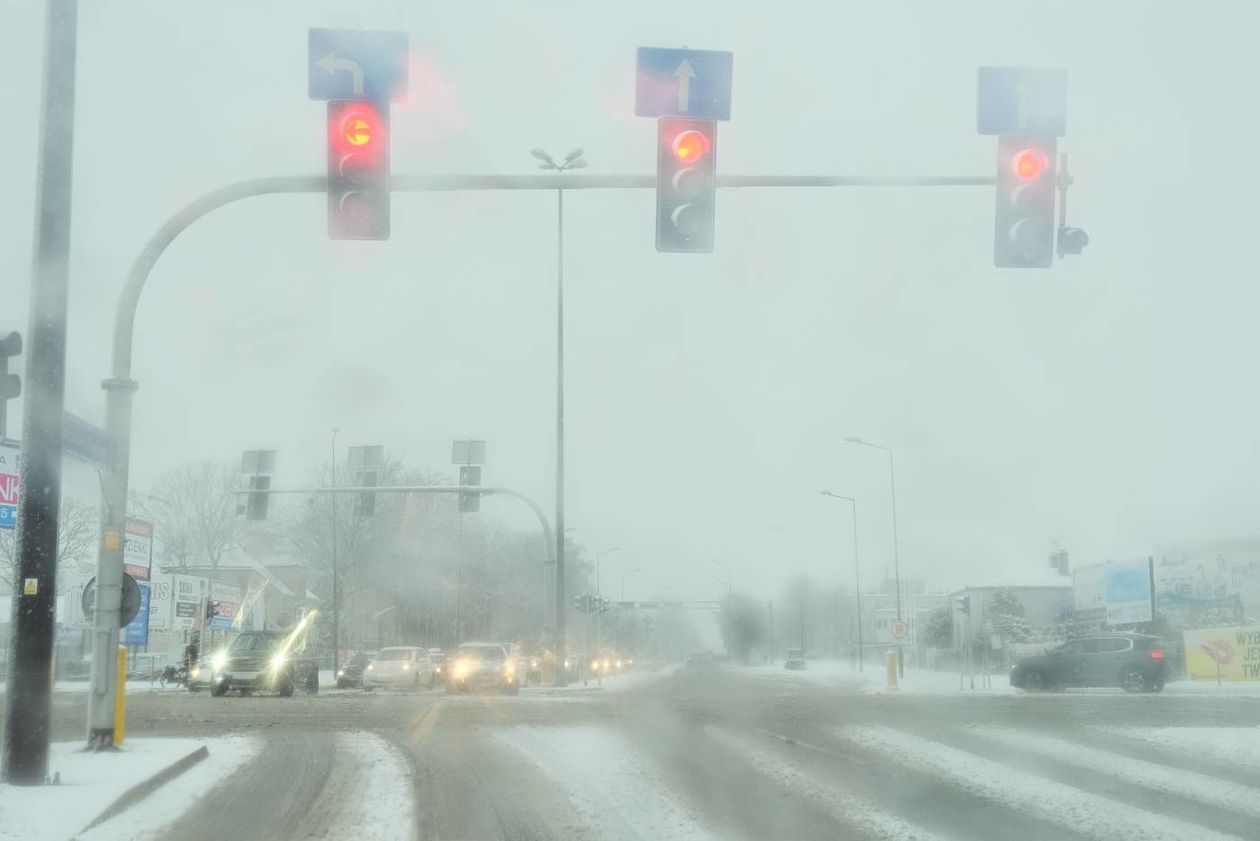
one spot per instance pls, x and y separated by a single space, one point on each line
1028 164
690 146
356 127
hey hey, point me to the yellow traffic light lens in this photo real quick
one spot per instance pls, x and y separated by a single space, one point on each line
357 131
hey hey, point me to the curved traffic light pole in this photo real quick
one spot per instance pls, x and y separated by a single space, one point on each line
120 386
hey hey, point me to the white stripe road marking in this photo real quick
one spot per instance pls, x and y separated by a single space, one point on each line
1139 772
1074 809
843 807
1236 745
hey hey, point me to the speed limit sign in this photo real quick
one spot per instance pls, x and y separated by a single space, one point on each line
900 629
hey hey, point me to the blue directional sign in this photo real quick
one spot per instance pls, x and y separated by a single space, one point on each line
683 83
1022 101
353 64
136 632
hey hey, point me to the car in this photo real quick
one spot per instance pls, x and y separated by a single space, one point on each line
199 676
795 660
399 667
1133 662
351 672
438 657
263 661
483 665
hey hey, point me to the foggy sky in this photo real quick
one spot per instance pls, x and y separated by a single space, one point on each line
1107 403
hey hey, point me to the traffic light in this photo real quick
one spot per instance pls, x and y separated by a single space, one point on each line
358 170
256 507
212 609
1025 225
686 184
365 503
964 604
469 476
10 384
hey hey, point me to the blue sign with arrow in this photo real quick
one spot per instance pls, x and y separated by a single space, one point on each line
683 83
1021 101
354 64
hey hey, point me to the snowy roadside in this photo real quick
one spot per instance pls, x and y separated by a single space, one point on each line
91 782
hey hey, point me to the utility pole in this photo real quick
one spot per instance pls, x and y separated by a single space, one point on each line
26 722
336 593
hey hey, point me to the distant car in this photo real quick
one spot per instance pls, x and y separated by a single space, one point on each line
399 667
260 661
483 665
795 660
351 672
1133 662
438 657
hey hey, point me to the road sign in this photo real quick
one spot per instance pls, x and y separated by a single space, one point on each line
10 464
129 607
136 632
1021 100
84 441
683 83
468 452
354 64
138 549
900 629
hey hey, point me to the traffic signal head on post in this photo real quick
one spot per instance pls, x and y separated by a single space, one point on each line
358 170
686 184
1024 229
256 505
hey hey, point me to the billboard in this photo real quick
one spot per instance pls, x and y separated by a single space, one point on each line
1121 588
10 464
1231 653
161 589
137 630
138 549
188 594
228 598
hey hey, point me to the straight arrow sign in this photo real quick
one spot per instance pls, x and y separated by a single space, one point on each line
685 74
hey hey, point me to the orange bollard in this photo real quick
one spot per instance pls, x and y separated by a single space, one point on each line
891 665
120 708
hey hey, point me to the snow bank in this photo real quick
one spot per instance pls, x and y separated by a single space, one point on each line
1077 811
90 782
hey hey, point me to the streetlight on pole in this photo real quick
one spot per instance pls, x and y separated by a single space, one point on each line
573 160
892 486
857 579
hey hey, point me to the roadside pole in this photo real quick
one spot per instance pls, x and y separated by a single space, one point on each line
26 722
561 647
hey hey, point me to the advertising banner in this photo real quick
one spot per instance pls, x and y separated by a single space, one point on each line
138 549
1231 653
137 630
188 594
160 593
1121 589
228 600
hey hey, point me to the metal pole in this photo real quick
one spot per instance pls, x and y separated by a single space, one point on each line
560 623
892 483
459 572
857 587
25 758
599 621
332 462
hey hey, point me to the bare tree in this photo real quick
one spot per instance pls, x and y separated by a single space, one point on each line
194 510
76 540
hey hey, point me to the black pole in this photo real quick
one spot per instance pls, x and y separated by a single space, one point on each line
25 759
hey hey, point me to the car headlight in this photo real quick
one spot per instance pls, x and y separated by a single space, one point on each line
461 671
218 661
195 672
619 664
371 667
277 662
533 664
406 666
341 673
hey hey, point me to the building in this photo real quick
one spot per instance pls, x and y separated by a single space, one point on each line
1045 594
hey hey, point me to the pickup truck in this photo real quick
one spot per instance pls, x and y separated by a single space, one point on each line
259 661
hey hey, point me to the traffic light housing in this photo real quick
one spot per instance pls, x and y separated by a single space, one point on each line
686 184
964 604
469 476
358 170
10 384
256 506
1023 236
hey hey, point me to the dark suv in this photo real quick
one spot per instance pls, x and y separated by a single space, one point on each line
1133 662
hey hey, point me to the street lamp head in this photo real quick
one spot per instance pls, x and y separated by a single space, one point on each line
826 493
541 154
573 156
578 164
853 439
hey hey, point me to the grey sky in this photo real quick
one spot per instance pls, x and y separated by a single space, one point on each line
1107 403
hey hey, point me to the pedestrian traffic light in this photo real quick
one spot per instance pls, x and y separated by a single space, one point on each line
686 184
256 507
358 170
1025 225
469 476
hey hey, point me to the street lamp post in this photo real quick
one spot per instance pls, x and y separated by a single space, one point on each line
623 581
332 480
857 579
892 486
573 160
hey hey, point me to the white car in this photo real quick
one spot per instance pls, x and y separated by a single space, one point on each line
399 667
